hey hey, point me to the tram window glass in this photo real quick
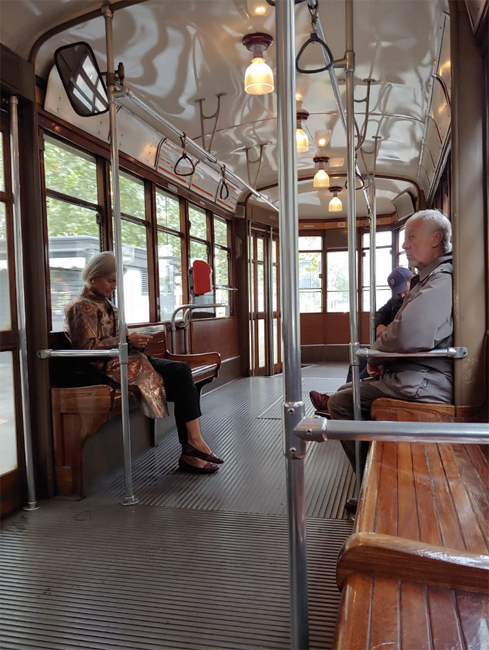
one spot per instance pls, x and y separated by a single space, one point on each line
134 249
2 182
169 253
222 260
199 246
383 266
8 436
310 274
70 171
337 281
402 259
5 323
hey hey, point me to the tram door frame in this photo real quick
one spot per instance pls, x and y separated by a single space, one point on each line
13 482
264 301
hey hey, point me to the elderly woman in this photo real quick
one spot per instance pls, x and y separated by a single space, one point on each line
91 323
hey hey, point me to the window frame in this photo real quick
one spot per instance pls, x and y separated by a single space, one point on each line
322 274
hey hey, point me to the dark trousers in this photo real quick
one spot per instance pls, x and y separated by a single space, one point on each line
340 407
181 390
362 368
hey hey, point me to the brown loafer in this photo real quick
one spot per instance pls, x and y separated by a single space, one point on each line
319 400
208 468
188 450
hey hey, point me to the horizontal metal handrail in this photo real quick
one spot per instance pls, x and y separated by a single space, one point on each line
454 353
319 429
189 308
48 354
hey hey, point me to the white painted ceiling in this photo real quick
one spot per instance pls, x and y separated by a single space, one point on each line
177 51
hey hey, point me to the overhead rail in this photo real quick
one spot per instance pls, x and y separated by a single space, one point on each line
129 94
313 6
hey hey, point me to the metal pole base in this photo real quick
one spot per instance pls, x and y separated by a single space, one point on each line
31 505
129 501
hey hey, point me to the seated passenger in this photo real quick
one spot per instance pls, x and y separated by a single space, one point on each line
91 324
424 322
399 281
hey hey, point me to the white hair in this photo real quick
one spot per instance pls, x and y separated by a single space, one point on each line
99 266
437 221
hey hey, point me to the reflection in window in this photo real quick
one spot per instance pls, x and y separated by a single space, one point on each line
167 211
5 323
337 281
73 239
170 273
135 257
70 171
198 222
8 437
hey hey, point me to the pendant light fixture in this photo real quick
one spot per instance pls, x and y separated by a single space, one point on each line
259 75
321 178
335 205
302 141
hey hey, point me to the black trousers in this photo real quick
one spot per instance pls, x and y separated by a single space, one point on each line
181 390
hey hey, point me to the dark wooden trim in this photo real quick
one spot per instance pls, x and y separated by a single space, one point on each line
152 248
74 200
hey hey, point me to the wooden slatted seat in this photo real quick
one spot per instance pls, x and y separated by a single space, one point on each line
80 404
415 573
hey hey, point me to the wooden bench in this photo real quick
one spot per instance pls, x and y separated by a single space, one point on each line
415 573
81 403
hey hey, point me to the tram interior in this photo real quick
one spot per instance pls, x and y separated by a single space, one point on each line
203 561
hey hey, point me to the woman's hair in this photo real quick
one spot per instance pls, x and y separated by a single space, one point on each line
436 220
99 266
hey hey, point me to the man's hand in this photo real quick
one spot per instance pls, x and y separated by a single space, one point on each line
139 341
380 329
375 372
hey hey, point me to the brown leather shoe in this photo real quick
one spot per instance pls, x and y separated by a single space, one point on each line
189 450
319 400
208 468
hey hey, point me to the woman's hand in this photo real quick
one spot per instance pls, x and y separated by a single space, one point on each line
139 341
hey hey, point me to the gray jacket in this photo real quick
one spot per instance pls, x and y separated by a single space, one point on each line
424 322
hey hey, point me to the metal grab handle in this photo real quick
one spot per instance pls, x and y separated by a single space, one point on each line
48 354
191 307
454 353
314 38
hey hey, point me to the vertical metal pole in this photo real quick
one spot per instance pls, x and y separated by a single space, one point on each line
269 305
373 258
251 299
352 225
294 448
21 316
129 498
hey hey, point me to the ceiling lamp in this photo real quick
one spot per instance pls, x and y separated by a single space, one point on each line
321 178
259 75
301 138
323 136
335 205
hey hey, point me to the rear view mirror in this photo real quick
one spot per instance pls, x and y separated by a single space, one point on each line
80 74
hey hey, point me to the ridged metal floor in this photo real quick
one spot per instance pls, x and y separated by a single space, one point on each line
201 562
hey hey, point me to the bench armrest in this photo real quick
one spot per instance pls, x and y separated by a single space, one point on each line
194 360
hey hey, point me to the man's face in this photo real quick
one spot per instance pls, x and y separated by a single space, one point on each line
421 245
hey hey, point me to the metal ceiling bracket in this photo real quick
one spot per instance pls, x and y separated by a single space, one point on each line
258 162
214 116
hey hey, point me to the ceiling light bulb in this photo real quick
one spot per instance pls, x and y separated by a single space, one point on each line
302 140
335 205
322 142
260 10
321 179
259 77
298 97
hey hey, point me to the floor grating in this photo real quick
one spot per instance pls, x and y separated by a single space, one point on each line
201 562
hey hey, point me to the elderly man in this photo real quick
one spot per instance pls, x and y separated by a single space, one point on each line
424 322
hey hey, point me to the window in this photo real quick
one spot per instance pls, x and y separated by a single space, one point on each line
402 259
169 253
383 266
310 274
199 242
134 249
5 323
222 263
338 299
72 222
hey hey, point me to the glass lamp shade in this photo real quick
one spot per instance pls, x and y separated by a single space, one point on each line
302 141
335 205
321 179
259 77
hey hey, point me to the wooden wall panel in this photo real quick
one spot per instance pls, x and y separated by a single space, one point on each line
215 335
337 328
312 329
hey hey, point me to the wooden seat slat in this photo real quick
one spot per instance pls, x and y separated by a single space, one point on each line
480 461
474 618
384 621
429 530
370 488
444 620
353 625
407 524
415 624
386 518
476 490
